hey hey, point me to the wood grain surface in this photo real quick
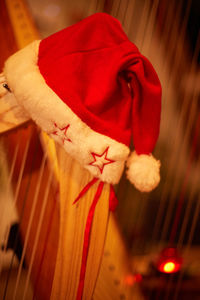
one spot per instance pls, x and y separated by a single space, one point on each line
51 227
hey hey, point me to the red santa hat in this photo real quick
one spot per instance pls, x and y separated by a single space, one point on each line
91 90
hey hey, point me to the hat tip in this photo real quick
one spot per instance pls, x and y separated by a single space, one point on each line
143 171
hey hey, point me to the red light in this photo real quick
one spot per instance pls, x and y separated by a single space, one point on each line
169 261
169 267
131 279
138 277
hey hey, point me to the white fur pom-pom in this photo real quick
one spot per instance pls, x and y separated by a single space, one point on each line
143 171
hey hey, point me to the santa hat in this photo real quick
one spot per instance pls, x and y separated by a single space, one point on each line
91 90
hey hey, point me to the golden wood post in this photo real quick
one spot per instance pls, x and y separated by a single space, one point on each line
72 179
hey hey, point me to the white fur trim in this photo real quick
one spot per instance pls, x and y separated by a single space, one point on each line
3 91
53 116
9 103
143 171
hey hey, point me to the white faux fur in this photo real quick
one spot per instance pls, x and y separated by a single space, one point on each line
8 99
143 171
53 115
3 91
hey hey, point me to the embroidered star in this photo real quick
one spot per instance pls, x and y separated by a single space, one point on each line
62 133
101 160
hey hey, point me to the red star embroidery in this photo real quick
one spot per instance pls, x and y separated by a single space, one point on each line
101 160
62 133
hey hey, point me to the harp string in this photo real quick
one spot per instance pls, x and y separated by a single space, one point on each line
118 9
31 218
142 24
13 163
37 233
181 199
20 215
125 12
15 200
114 8
171 21
178 215
150 28
145 43
150 24
193 109
128 20
21 171
178 53
49 227
86 8
115 12
122 11
191 201
186 215
172 158
35 245
172 78
193 226
177 159
189 204
185 182
141 207
188 211
39 226
177 39
143 203
97 5
174 191
173 73
188 246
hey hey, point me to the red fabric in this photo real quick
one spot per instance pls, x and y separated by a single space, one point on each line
85 189
102 163
86 241
146 105
112 206
113 202
88 66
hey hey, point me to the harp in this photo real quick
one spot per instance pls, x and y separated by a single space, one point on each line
130 242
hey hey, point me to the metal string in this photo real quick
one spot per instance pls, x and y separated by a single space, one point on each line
5 242
39 226
21 213
125 13
172 159
31 218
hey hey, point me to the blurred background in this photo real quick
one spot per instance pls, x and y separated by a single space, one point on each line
167 33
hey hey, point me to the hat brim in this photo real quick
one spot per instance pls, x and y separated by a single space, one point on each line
50 113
